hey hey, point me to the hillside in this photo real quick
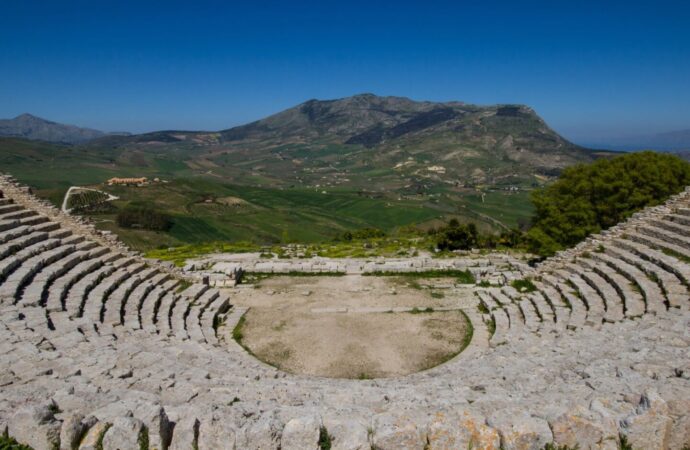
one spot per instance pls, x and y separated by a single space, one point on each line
384 154
35 128
380 143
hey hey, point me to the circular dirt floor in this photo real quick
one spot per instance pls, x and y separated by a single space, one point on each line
298 324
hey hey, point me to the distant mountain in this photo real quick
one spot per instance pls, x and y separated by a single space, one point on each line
364 142
35 128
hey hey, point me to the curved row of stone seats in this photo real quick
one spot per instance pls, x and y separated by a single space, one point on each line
673 292
72 283
499 318
637 267
632 303
621 277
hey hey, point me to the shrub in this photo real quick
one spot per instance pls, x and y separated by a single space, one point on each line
457 237
524 285
143 217
589 198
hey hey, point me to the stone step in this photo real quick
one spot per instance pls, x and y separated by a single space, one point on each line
9 207
672 275
177 318
683 211
20 214
613 302
578 312
20 242
633 302
164 315
114 308
211 316
591 299
542 307
137 298
95 306
10 264
152 303
671 287
194 291
677 251
554 299
663 234
651 293
193 318
76 298
39 287
672 227
527 309
15 282
679 218
14 232
58 292
5 201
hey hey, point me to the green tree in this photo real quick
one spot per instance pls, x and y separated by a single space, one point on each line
589 198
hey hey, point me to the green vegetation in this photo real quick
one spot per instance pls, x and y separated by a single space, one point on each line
237 331
552 446
324 439
143 217
462 276
8 443
589 198
676 255
458 237
524 285
82 201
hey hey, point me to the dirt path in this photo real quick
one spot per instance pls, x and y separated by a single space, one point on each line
281 328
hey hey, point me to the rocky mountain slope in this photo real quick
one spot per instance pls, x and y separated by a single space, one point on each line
388 142
32 127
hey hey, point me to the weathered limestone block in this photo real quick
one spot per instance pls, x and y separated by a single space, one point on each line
397 431
301 433
126 433
186 434
160 429
73 429
93 436
216 435
265 433
346 432
519 430
678 401
585 429
462 430
36 427
650 426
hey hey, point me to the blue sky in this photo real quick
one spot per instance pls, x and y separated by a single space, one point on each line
595 70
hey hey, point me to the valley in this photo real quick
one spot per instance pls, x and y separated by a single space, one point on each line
312 172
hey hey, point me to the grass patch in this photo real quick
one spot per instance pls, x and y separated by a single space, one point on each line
237 334
437 295
675 254
8 443
462 276
524 285
324 439
491 326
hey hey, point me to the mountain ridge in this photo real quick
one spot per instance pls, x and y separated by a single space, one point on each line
32 127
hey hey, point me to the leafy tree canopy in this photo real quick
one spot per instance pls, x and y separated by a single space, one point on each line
589 198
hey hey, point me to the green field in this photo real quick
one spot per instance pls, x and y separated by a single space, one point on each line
228 198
